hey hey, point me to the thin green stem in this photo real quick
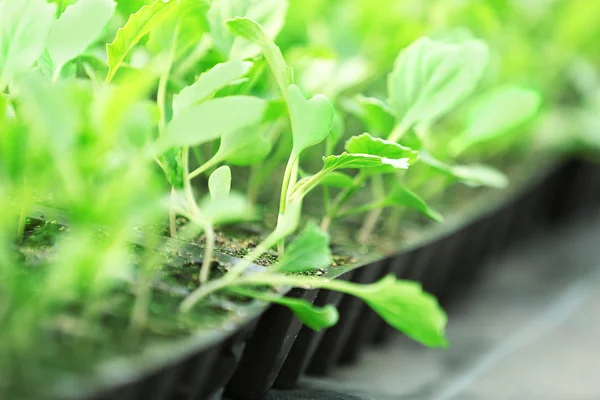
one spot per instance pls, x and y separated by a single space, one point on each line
204 167
372 218
341 199
399 131
172 215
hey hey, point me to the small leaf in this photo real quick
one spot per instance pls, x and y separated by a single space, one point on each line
367 144
245 146
138 25
77 28
473 175
173 167
338 180
430 77
270 14
234 208
252 31
311 119
210 120
497 113
209 82
404 197
376 116
24 29
359 161
405 306
219 183
309 251
316 318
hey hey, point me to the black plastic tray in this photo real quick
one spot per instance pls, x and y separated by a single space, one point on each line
275 350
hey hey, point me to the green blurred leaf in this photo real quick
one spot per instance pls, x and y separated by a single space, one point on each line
77 28
245 146
210 120
497 113
404 197
367 144
253 31
309 251
431 77
24 27
269 14
474 175
338 180
138 25
377 117
234 208
219 183
311 119
209 82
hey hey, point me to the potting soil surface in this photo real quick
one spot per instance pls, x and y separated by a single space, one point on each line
529 329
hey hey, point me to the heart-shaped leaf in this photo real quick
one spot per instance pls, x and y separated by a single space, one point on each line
311 119
210 120
78 27
209 82
431 76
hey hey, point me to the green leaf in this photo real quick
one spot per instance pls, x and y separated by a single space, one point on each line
316 318
183 28
253 31
405 306
431 77
138 25
336 133
338 180
473 175
219 183
360 161
173 167
245 146
210 120
24 30
367 144
209 82
270 14
309 251
234 208
497 113
376 116
77 28
404 197
311 119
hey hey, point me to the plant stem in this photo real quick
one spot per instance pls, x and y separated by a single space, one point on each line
289 178
371 220
172 216
340 199
198 217
399 131
204 167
